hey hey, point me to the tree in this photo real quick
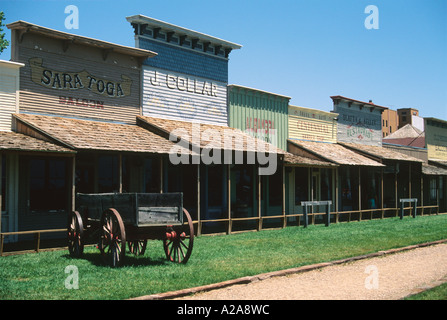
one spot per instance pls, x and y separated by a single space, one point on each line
3 42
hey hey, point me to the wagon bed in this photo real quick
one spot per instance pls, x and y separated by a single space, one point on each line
117 219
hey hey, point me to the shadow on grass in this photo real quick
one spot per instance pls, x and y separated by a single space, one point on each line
130 260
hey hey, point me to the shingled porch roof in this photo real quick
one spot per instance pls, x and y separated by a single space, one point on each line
332 152
207 139
17 142
94 135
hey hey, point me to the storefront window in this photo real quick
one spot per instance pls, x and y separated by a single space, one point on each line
48 185
275 188
215 183
301 185
433 191
108 173
152 175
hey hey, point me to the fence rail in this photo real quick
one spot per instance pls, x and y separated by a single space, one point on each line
37 234
362 215
354 215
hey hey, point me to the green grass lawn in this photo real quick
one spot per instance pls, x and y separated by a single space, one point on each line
214 259
436 293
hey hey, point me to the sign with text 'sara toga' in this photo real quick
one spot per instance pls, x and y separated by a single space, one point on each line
70 75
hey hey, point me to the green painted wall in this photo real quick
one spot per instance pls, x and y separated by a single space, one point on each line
261 114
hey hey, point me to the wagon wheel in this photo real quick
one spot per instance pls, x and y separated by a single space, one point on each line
179 240
137 247
112 243
75 235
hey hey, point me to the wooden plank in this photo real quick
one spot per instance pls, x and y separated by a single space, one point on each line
158 215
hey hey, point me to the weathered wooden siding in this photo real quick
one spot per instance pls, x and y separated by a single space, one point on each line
9 88
436 138
358 124
312 125
176 96
261 114
79 81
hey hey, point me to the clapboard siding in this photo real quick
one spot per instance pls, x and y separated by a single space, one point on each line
312 125
8 98
176 96
260 114
47 54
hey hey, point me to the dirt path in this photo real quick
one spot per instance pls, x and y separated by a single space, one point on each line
387 277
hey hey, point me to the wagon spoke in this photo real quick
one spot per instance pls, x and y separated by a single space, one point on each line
179 240
75 231
181 251
113 239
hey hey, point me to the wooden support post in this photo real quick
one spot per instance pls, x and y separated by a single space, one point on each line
402 204
360 195
1 192
229 197
73 185
306 221
161 175
120 164
415 208
38 242
2 239
395 187
284 221
259 202
381 197
199 221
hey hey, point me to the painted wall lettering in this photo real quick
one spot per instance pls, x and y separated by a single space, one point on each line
81 102
78 80
312 124
183 97
186 84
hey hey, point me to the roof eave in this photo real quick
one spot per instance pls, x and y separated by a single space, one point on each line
29 27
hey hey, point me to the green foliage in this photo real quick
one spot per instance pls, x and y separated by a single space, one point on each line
3 42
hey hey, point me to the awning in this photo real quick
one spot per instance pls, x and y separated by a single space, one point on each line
441 163
12 141
95 135
207 135
432 170
380 152
300 161
332 152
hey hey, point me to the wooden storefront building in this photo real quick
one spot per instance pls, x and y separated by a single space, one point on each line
99 117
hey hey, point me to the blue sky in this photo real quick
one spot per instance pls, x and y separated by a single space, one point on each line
307 50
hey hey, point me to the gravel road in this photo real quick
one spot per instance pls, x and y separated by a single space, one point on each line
387 277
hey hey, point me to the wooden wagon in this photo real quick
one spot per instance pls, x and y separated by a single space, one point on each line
119 219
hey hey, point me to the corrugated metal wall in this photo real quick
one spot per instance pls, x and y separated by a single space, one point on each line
260 114
172 95
311 124
43 93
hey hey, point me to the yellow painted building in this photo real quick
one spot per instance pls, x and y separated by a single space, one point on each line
312 124
436 138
